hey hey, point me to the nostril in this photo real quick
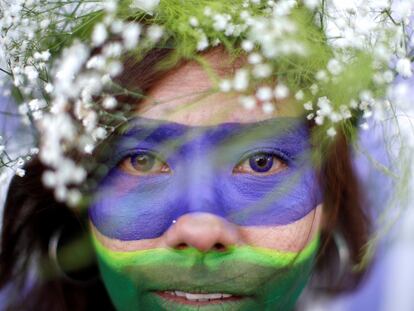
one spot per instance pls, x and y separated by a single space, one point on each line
219 247
181 246
203 231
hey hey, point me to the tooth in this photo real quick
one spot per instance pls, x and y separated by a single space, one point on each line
199 297
179 294
214 296
190 296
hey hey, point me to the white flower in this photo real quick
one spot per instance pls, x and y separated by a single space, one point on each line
310 116
89 148
225 85
312 4
299 95
331 132
220 21
254 58
314 89
145 5
117 26
334 67
109 103
20 172
281 91
49 88
112 49
49 179
44 56
73 197
248 102
131 35
193 21
71 62
403 67
325 107
155 32
241 80
31 73
319 119
44 23
388 76
99 34
321 75
110 6
114 68
268 108
308 106
262 70
247 45
202 43
99 133
264 93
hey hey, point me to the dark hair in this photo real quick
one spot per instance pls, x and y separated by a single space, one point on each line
32 216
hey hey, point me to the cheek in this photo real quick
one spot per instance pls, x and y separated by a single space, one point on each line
293 237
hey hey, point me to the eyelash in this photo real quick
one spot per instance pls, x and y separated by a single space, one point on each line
127 165
268 153
129 162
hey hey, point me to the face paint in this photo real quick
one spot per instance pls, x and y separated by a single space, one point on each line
202 178
257 278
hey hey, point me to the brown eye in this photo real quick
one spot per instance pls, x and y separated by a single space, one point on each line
260 164
144 163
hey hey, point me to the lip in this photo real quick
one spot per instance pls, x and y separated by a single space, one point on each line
199 300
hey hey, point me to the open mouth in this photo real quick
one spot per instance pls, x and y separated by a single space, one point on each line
198 299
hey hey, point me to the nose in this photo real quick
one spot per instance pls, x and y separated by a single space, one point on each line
203 231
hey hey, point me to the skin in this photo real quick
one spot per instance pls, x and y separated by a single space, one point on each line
180 97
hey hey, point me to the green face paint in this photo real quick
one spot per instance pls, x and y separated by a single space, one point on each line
265 279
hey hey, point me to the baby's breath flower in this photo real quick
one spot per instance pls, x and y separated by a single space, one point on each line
20 172
131 35
248 102
193 21
109 103
247 45
404 67
155 32
262 70
331 132
264 93
146 5
281 91
254 58
308 106
99 34
268 107
241 80
225 85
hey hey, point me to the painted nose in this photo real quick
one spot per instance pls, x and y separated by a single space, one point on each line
203 231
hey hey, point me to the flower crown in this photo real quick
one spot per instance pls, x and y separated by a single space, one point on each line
336 59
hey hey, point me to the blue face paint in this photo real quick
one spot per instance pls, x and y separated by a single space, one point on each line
202 160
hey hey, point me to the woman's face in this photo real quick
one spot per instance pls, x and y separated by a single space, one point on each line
206 205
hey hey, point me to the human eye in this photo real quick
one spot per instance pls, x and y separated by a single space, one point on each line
261 164
144 163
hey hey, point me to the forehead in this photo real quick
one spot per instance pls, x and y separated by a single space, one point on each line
187 95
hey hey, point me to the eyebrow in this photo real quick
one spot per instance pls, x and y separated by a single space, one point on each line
159 131
286 133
